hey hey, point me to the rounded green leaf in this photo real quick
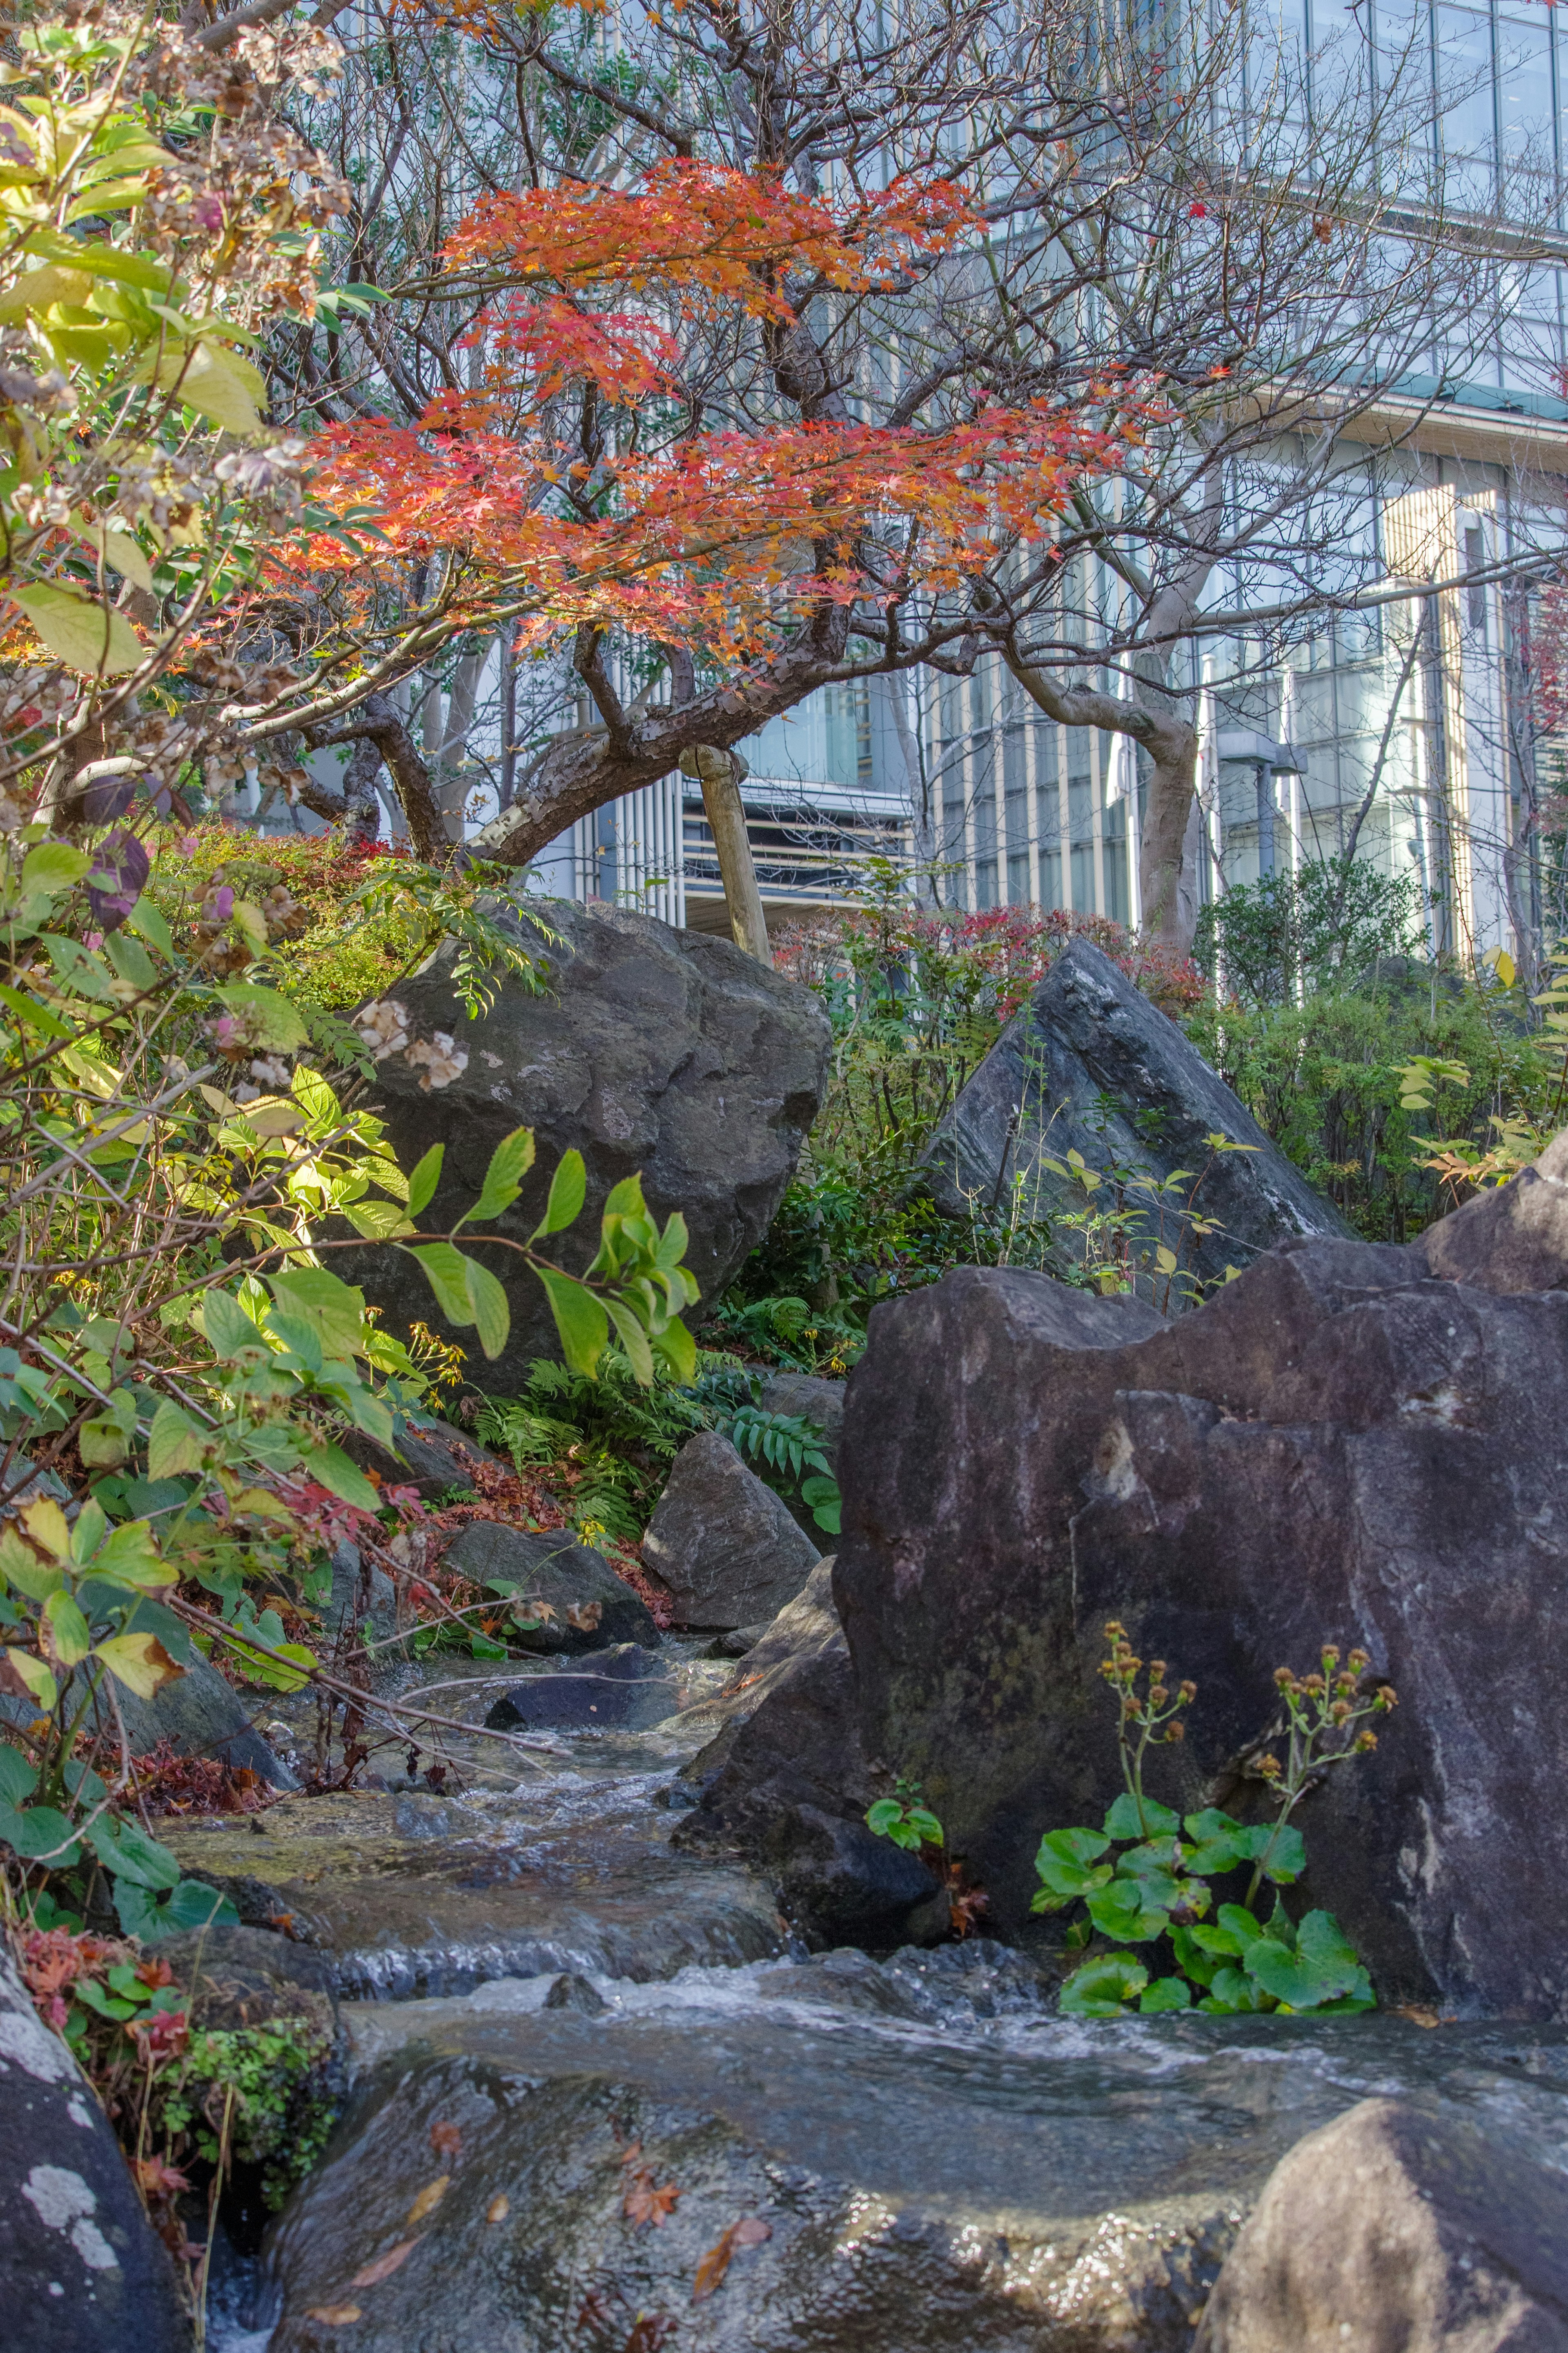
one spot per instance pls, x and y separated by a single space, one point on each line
1102 1987
1165 1993
81 634
1123 1820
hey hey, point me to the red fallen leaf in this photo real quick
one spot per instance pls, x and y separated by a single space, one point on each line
642 2201
649 2331
748 2232
385 2265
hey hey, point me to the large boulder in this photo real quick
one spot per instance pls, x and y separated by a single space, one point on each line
1398 2229
726 1549
586 1605
522 2159
651 1051
783 1767
1511 1238
1336 1448
81 2268
1090 1066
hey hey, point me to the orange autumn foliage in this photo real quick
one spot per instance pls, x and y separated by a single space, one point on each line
570 484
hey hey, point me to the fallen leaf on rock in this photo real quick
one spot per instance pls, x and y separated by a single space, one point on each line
748 2232
499 2209
447 2141
334 2315
430 2197
649 2331
385 2265
583 1617
642 2201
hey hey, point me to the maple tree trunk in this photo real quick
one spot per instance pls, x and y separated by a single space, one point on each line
737 868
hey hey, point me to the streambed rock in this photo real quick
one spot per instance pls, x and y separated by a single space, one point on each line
588 1606
1400 2224
1064 2189
410 1894
1090 1066
80 2266
623 1686
650 1050
726 1549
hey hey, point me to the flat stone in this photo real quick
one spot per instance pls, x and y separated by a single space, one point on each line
623 1686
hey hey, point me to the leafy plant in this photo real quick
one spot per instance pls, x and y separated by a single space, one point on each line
1157 1890
906 1819
1308 930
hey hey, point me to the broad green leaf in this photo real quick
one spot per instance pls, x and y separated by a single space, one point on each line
1231 1991
174 1442
333 1309
510 1164
1286 1849
1219 1843
492 1312
883 1816
278 1023
568 1190
1122 1822
1120 1910
36 1016
625 1199
140 1662
332 1467
125 1850
216 383
425 1179
227 1328
1191 1958
378 1222
53 867
18 1778
41 1833
678 1350
1066 1862
105 1438
71 1636
149 923
131 961
83 635
1103 1986
634 1340
580 1319
444 1266
1165 1993
1323 1967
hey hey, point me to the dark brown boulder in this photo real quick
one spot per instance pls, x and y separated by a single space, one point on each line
1333 1448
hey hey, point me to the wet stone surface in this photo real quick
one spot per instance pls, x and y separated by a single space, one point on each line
940 2162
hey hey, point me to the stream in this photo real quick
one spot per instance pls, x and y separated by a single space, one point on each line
631 2056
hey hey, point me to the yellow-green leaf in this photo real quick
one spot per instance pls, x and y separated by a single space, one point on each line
85 637
138 1661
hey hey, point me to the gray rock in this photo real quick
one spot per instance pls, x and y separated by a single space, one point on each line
784 1782
723 1546
357 1601
81 2268
204 1716
1513 1238
570 1992
1398 2229
625 1687
1091 1066
1333 1448
431 1456
1074 2191
593 1606
810 1398
658 1051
